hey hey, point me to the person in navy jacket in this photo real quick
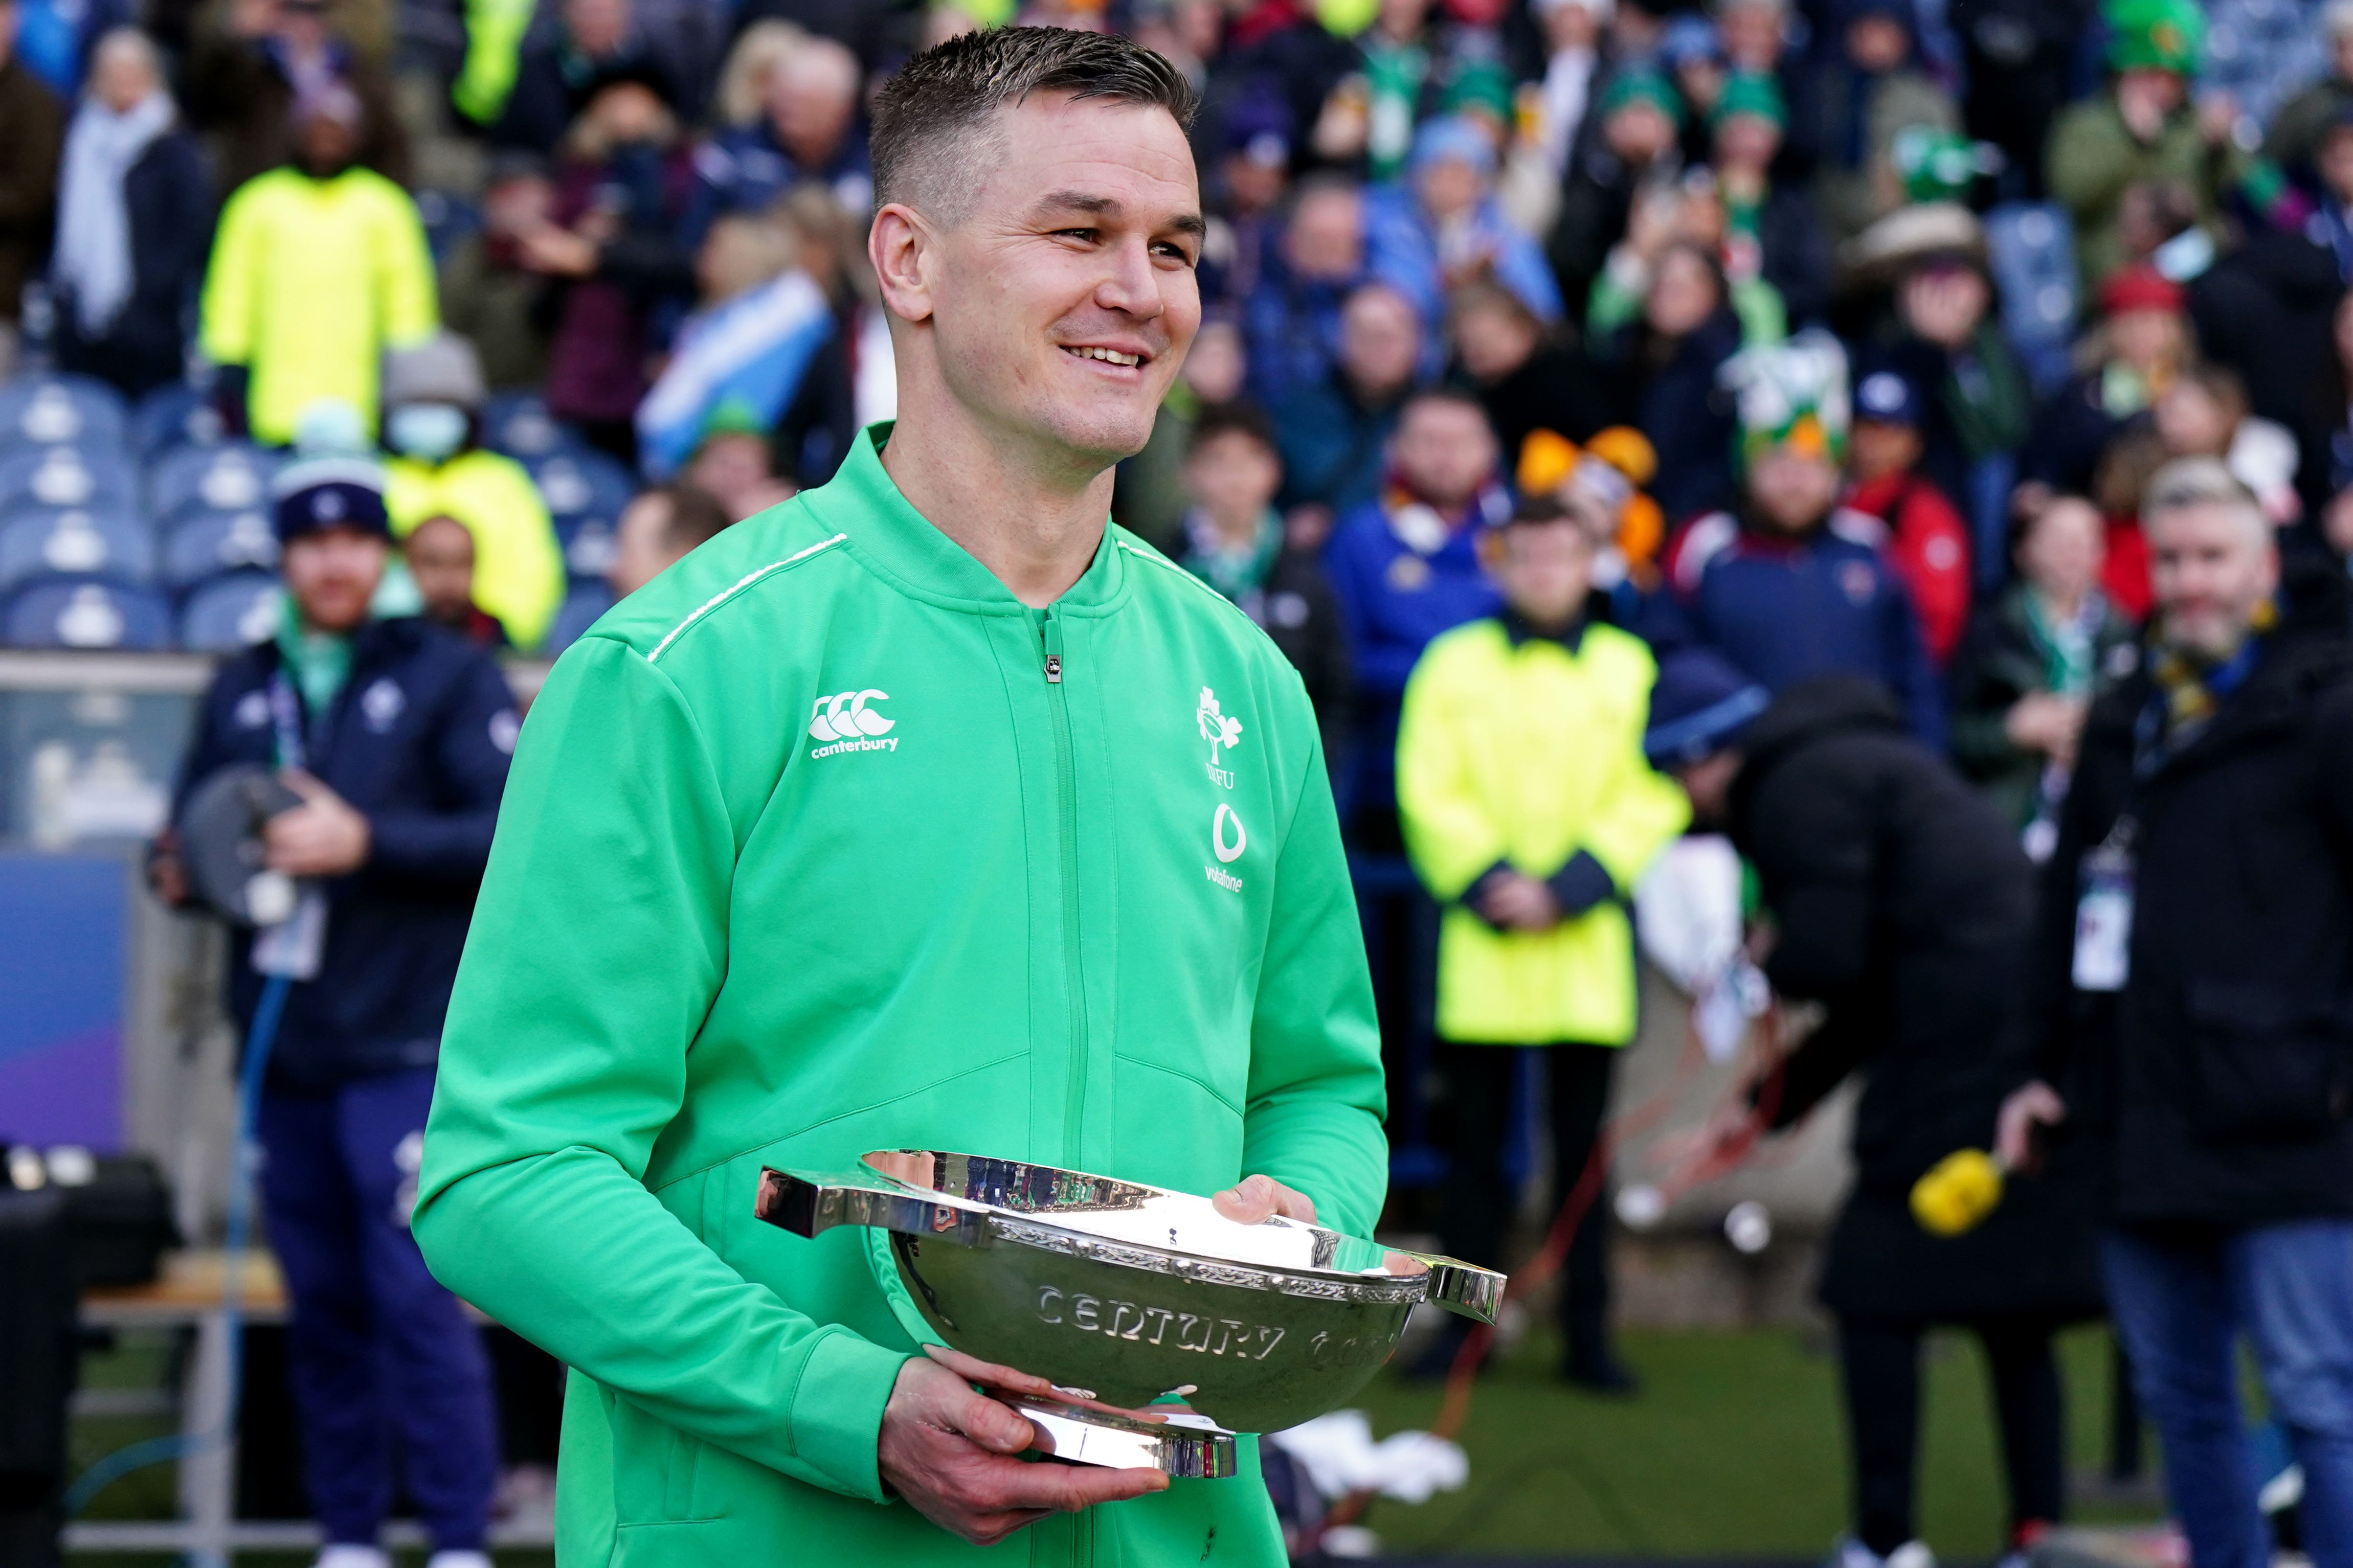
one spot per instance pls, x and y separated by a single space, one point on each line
1792 586
397 734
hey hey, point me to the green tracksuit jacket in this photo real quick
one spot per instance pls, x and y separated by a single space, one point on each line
805 853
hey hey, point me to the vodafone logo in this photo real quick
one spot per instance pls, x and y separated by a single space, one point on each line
849 722
1228 851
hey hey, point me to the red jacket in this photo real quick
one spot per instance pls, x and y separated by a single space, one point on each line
1930 547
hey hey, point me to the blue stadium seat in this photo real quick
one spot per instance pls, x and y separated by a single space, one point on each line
204 543
72 541
518 424
175 416
581 607
587 544
583 484
61 410
230 612
90 613
67 476
2030 247
233 477
448 218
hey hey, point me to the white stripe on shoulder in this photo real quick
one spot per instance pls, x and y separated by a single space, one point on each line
738 586
1167 565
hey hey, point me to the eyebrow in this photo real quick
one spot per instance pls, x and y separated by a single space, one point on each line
1190 224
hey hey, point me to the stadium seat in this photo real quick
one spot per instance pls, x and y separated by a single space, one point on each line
87 612
582 605
587 544
67 476
448 219
74 542
204 543
518 424
583 484
2030 247
61 410
233 477
230 612
175 416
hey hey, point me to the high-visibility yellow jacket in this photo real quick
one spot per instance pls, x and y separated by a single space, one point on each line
518 564
1527 752
311 281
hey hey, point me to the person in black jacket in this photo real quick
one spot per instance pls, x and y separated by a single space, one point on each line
2194 980
1901 901
397 735
134 220
1234 542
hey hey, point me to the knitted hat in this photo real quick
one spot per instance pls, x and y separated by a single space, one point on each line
1451 136
1638 84
1479 85
2156 35
2140 288
1751 92
318 493
444 368
1699 705
1935 165
1791 393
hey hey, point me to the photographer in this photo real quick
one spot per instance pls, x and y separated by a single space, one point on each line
396 735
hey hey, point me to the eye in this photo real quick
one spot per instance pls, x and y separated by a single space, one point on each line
1174 252
1084 235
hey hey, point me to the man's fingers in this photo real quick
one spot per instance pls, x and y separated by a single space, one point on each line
1256 1199
304 782
1070 1488
997 1428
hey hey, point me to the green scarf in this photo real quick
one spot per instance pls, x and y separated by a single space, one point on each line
2068 647
1231 572
1987 395
319 662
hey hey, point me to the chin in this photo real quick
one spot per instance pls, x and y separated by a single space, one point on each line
1110 435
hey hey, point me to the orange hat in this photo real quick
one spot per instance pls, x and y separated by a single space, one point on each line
1547 458
1628 451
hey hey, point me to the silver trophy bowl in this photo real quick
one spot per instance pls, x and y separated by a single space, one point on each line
1123 1294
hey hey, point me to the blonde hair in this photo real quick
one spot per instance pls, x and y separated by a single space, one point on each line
742 81
2187 484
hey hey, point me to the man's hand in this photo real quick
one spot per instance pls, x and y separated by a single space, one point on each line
1257 1199
167 873
323 836
2046 722
949 1452
1519 902
2031 1106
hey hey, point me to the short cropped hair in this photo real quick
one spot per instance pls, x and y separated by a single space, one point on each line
930 135
2187 484
1229 419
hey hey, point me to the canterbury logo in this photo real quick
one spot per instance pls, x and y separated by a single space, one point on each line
846 719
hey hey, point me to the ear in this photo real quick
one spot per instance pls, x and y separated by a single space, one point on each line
899 245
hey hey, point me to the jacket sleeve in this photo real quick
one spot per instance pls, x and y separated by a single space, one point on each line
1448 832
411 313
519 578
1640 812
1981 703
469 763
564 1059
1914 676
2092 158
1816 857
1317 1094
226 329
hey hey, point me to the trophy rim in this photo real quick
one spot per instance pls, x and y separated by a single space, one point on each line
1308 1281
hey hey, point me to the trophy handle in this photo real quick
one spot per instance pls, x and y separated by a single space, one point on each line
1463 1288
807 1205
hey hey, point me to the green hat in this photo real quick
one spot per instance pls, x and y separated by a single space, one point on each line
733 415
1480 84
1640 85
1749 92
1936 165
2156 35
1790 393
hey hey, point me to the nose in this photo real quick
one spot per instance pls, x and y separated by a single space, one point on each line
1130 284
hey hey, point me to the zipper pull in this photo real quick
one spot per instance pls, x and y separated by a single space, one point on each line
1053 670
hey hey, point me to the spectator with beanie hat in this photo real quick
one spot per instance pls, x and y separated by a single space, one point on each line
1901 902
1927 539
396 734
433 397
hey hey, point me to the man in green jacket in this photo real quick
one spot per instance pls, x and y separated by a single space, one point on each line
927 809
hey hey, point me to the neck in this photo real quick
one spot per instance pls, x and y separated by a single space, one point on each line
1032 513
2061 604
1233 529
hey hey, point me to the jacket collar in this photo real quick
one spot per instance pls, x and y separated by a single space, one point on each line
864 504
1519 630
2291 667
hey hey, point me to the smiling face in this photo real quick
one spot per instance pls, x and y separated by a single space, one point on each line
1056 302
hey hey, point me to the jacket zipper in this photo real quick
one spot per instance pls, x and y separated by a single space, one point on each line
1074 1103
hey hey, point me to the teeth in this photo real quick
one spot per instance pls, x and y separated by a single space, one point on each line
1109 356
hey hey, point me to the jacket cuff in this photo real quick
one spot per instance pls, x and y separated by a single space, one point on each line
1580 885
1469 898
837 1417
